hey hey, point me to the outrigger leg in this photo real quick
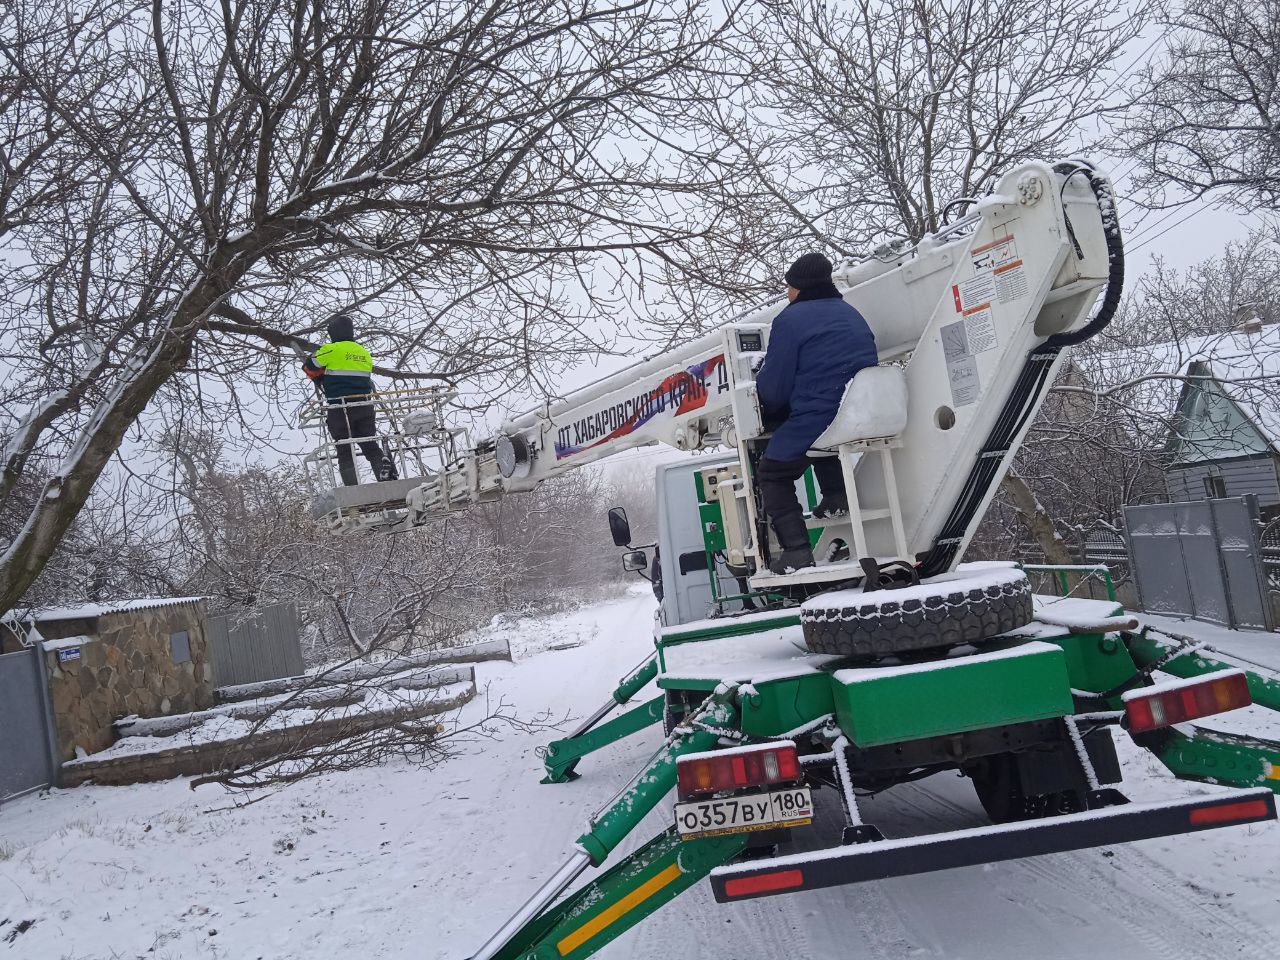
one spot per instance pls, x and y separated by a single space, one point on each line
551 926
1225 758
561 756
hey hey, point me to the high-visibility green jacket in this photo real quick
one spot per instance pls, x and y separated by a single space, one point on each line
342 368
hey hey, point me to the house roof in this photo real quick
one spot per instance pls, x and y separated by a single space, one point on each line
1248 370
90 610
1245 366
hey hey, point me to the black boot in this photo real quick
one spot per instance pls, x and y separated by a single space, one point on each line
386 470
793 538
836 505
835 499
792 560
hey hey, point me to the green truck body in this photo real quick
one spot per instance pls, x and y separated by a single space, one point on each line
1030 710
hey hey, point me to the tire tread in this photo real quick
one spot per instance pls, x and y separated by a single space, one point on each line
953 617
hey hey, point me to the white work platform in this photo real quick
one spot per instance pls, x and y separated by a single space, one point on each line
832 573
384 494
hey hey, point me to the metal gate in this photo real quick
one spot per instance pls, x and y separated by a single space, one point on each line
265 646
28 749
1200 559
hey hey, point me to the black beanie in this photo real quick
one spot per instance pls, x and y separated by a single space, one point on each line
811 270
341 327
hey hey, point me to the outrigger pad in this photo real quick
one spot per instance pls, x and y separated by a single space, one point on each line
979 845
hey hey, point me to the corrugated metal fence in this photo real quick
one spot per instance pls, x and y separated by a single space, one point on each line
28 757
1200 559
264 646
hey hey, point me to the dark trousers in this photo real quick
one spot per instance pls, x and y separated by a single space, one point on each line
354 418
777 482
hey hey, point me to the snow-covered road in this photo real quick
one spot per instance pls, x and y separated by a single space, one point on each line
399 862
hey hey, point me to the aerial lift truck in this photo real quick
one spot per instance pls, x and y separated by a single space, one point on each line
889 660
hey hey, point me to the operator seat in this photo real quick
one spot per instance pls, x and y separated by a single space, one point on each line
872 415
874 407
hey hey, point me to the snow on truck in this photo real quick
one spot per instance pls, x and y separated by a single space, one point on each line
889 660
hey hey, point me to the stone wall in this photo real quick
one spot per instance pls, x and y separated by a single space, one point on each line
125 666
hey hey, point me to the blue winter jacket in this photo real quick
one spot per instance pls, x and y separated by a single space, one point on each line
815 348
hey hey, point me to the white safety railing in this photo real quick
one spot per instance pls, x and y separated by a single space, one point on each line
410 432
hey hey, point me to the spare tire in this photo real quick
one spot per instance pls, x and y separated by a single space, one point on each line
975 603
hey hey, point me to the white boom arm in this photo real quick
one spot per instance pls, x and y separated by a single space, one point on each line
667 399
977 313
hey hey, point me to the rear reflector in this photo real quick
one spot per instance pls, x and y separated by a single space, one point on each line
760 883
1230 812
736 768
1164 706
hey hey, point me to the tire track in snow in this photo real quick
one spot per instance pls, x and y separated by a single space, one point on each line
861 920
1132 863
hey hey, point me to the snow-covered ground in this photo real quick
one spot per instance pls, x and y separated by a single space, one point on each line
401 862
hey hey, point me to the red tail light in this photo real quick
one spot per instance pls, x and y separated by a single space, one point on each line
1185 700
763 883
738 767
1246 810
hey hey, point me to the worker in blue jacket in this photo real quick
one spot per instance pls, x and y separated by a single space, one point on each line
816 345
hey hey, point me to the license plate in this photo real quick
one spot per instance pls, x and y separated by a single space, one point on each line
792 807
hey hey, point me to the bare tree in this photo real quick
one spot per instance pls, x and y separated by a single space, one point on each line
191 188
1208 116
244 537
1111 428
1214 296
874 115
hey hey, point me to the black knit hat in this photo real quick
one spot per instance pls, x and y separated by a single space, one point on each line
811 270
341 327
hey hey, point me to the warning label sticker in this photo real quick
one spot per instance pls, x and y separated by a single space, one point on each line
1010 281
993 254
980 328
962 368
974 292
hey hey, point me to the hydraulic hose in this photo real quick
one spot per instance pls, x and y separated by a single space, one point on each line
1115 257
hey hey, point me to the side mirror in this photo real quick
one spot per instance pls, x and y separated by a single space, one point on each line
619 527
634 561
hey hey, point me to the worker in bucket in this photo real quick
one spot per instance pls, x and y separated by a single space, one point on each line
344 370
817 343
